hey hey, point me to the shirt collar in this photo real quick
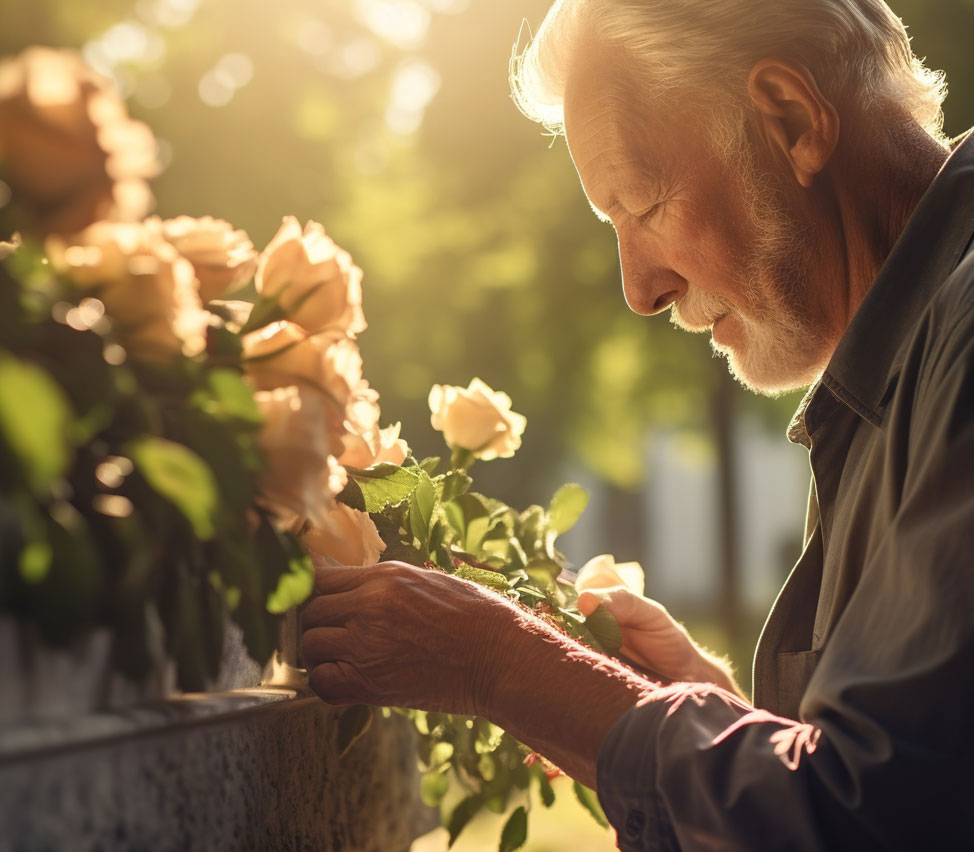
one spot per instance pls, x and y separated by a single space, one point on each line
865 366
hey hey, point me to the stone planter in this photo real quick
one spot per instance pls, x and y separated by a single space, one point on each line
89 762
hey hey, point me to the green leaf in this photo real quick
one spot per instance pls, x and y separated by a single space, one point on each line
422 502
294 587
182 615
352 725
35 561
35 418
545 788
470 519
232 397
462 814
373 489
177 473
63 596
590 802
486 767
433 787
515 832
605 629
566 507
530 528
440 754
455 483
430 464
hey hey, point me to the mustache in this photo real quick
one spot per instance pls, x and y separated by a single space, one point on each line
698 309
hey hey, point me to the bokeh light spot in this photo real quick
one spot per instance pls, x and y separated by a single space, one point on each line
414 85
403 23
216 88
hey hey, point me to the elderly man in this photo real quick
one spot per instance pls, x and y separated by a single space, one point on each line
775 174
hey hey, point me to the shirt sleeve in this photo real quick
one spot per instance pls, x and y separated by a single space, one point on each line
883 757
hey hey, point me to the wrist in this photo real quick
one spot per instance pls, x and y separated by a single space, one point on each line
559 697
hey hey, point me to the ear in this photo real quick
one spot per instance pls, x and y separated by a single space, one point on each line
798 122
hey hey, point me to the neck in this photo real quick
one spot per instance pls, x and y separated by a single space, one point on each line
872 190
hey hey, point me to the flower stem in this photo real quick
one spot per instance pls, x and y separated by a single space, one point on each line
462 459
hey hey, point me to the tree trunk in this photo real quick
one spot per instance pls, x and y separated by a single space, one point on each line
722 419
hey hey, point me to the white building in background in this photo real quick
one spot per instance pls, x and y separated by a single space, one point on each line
680 530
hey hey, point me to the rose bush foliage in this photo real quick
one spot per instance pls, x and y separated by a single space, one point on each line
169 456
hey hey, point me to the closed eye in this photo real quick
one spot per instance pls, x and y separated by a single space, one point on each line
650 212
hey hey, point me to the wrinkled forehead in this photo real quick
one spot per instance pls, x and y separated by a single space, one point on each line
609 126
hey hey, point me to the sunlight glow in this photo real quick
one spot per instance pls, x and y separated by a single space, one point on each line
216 88
352 59
239 68
315 37
167 13
403 23
414 85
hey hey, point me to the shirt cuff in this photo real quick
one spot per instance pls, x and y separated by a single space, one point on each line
626 773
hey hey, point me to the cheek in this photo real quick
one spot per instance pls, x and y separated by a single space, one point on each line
707 252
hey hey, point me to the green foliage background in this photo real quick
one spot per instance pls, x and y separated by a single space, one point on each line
481 256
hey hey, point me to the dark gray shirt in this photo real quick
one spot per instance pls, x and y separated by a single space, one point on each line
862 733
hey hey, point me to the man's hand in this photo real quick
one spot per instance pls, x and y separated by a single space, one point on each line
393 634
653 640
403 636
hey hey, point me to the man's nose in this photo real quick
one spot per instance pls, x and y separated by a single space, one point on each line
649 286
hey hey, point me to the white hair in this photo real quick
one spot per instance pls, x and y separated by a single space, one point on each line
856 49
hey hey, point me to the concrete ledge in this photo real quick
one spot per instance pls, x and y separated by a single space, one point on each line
254 769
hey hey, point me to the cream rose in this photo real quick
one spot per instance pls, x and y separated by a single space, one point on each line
375 446
347 535
301 475
69 150
223 258
477 419
283 354
603 573
314 280
148 290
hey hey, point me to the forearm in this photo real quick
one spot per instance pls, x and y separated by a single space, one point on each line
559 697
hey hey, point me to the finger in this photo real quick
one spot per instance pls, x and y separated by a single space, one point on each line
325 644
337 682
329 578
588 602
618 600
343 578
329 610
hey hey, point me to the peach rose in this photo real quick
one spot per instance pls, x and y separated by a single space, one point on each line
283 352
375 446
347 535
314 280
68 149
476 419
223 259
602 574
148 290
301 475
